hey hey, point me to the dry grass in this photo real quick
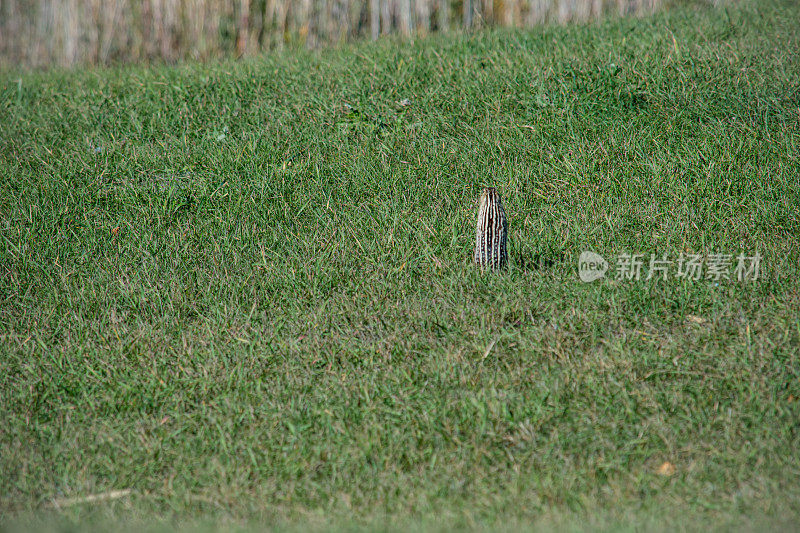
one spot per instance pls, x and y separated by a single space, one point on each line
70 32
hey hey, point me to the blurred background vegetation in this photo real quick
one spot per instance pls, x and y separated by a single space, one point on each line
73 32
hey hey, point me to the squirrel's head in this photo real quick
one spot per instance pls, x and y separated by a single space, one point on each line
489 194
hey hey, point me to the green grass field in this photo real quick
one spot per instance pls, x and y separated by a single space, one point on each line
244 292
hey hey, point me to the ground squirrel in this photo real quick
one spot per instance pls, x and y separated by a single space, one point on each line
492 231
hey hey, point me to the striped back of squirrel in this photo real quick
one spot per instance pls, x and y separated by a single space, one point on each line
492 231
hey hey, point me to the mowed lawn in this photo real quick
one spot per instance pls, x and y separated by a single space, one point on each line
243 291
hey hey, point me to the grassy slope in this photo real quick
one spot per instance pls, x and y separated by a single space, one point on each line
225 289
